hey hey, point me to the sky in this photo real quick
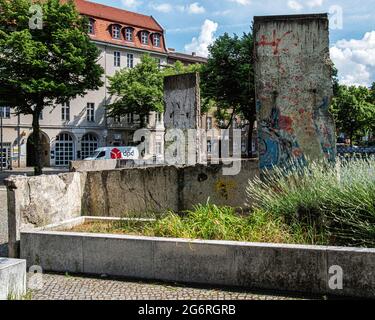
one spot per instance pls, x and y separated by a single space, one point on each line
192 25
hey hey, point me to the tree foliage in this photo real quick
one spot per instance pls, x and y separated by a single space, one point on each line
354 111
46 66
139 90
228 78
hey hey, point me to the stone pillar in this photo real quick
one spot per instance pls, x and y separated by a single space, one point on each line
14 220
182 113
293 90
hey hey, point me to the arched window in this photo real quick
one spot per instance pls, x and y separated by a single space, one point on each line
88 145
156 40
129 34
91 26
64 149
144 37
116 31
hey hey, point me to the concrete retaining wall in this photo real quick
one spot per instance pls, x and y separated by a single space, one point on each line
39 201
97 165
12 278
251 265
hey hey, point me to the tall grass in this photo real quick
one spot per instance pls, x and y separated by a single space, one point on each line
333 204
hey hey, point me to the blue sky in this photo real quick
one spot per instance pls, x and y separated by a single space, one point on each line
193 25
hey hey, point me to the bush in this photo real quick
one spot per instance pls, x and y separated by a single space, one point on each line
323 203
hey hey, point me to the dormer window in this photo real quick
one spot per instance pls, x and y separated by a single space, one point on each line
144 37
91 26
156 40
129 34
116 31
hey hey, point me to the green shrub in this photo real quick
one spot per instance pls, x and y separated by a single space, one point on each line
323 203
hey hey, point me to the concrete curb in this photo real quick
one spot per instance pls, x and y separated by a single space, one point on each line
298 268
12 278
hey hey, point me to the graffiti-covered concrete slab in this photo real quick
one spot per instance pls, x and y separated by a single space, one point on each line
294 89
182 114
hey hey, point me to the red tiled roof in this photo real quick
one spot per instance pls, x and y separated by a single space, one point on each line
106 16
117 15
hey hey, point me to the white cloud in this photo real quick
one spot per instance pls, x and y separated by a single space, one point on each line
241 2
295 5
315 3
195 8
162 7
206 37
131 4
355 60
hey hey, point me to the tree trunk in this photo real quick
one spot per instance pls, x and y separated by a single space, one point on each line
38 168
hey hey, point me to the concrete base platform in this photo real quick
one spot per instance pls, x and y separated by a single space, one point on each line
12 278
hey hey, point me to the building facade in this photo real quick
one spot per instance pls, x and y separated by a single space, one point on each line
74 130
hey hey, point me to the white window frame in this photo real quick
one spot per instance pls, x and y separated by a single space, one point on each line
130 60
89 144
65 111
156 40
130 118
116 32
145 38
90 112
117 58
91 26
159 148
209 123
209 146
129 34
5 112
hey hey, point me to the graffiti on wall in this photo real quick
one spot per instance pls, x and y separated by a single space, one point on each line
277 142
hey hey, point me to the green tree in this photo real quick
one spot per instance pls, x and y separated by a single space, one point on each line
137 90
353 110
228 79
50 64
140 90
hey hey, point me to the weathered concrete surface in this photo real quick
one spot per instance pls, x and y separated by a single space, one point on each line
293 89
97 165
39 201
159 189
12 278
3 223
183 112
251 265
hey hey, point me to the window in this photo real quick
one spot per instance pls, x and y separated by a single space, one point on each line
91 26
156 38
209 146
159 117
89 145
130 60
129 118
41 115
5 112
209 123
144 37
116 31
117 58
158 148
65 112
117 119
64 149
91 112
129 34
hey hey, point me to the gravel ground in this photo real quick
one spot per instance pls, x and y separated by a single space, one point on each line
66 287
